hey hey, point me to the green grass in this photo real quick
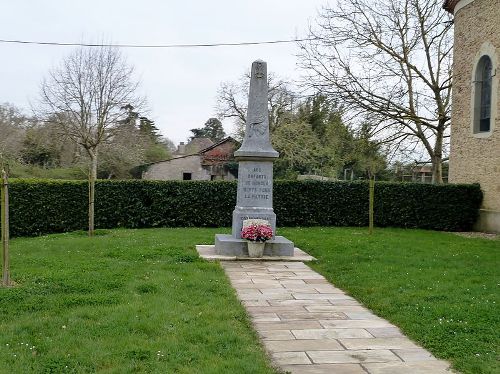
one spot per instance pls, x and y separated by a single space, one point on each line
442 290
126 301
134 301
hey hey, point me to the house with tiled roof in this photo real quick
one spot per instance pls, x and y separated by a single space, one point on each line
200 159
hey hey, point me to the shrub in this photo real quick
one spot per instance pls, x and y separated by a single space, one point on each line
449 207
47 206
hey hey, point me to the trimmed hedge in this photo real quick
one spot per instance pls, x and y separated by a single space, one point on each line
48 206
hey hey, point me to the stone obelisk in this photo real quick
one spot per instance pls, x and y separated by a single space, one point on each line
255 174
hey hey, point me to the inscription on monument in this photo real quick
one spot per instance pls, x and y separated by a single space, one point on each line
257 185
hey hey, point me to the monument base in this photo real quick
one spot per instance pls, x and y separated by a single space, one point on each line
229 246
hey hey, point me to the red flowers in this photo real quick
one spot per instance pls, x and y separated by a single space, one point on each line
257 233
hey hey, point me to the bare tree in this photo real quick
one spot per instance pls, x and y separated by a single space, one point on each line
391 60
85 96
232 99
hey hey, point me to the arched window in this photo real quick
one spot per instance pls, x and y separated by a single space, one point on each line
482 104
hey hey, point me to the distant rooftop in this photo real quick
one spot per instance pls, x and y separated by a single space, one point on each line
193 147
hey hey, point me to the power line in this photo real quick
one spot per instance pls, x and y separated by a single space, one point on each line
62 44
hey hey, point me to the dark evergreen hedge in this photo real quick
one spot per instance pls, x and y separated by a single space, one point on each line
47 206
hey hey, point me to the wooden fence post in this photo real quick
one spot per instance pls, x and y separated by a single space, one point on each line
5 228
371 203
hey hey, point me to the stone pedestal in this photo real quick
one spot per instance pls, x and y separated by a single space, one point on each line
255 175
230 246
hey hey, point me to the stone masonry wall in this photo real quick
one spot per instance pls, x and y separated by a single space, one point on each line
174 169
472 158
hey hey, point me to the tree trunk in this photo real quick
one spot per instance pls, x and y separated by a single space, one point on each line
437 170
5 229
92 179
437 157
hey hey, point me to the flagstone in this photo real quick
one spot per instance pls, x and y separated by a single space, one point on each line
276 309
300 288
378 343
265 317
265 297
287 325
316 281
312 315
331 333
360 314
348 309
421 367
324 369
343 302
327 288
255 303
353 356
303 345
321 296
276 334
265 281
290 358
412 355
258 286
276 290
286 282
385 332
306 303
353 324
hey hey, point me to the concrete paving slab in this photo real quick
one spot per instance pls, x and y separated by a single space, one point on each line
385 332
352 356
378 343
290 316
276 309
325 368
276 334
331 333
306 303
290 358
328 307
424 367
304 345
413 355
354 324
287 325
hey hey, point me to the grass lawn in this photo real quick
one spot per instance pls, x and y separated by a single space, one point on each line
442 290
126 301
141 301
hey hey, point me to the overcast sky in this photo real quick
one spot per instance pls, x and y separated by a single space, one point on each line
180 84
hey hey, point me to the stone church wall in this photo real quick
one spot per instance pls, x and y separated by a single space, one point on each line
476 157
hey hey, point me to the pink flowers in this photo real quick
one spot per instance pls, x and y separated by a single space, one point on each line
257 232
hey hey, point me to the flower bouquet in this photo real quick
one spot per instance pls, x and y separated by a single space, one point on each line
257 232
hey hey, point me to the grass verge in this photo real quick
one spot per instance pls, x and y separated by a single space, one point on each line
442 290
125 301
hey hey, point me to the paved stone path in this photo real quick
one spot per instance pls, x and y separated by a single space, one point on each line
309 326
